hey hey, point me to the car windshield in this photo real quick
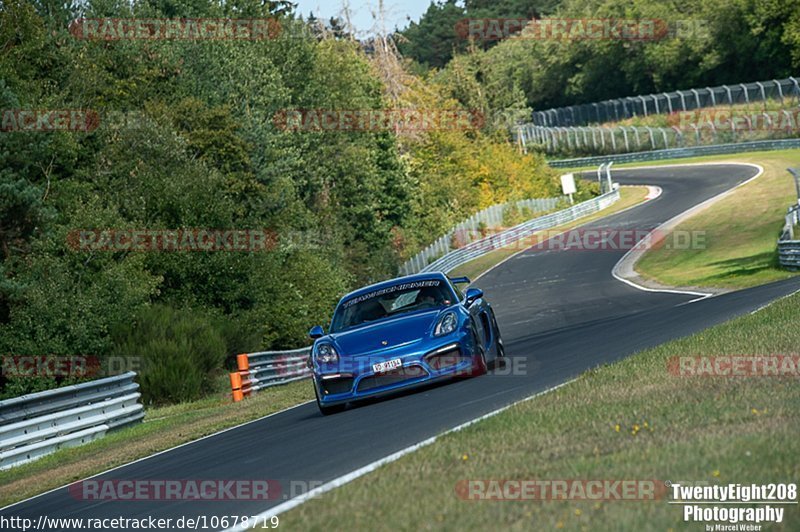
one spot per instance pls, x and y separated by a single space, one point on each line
391 301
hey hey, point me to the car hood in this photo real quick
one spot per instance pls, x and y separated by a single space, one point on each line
387 334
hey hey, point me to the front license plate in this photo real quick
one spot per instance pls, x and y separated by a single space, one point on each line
389 365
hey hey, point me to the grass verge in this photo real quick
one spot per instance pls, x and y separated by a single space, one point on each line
162 428
629 197
741 232
629 420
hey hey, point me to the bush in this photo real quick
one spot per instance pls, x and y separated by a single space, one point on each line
179 350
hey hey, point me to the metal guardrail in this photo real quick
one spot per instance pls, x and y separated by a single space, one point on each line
37 424
679 153
257 371
788 246
486 245
489 218
667 102
269 368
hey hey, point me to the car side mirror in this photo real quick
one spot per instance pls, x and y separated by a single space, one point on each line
316 332
473 294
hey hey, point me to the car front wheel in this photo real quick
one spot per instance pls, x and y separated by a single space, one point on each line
327 410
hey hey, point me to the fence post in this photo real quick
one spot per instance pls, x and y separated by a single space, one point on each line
636 136
796 88
780 89
652 140
678 136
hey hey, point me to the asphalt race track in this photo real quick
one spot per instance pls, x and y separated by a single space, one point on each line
561 312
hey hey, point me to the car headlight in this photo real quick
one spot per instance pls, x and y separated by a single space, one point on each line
447 324
326 354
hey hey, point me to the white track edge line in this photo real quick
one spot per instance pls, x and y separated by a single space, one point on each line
765 305
349 477
158 453
707 203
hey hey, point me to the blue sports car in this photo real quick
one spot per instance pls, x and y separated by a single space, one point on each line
399 334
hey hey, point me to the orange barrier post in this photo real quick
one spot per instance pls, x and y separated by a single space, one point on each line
240 384
236 387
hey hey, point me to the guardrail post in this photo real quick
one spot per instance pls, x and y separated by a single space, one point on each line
796 174
600 176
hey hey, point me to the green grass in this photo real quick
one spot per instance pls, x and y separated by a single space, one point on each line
701 429
162 428
629 197
741 232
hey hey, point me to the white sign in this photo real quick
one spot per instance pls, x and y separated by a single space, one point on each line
568 184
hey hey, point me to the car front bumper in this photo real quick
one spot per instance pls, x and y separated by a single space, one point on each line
356 380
